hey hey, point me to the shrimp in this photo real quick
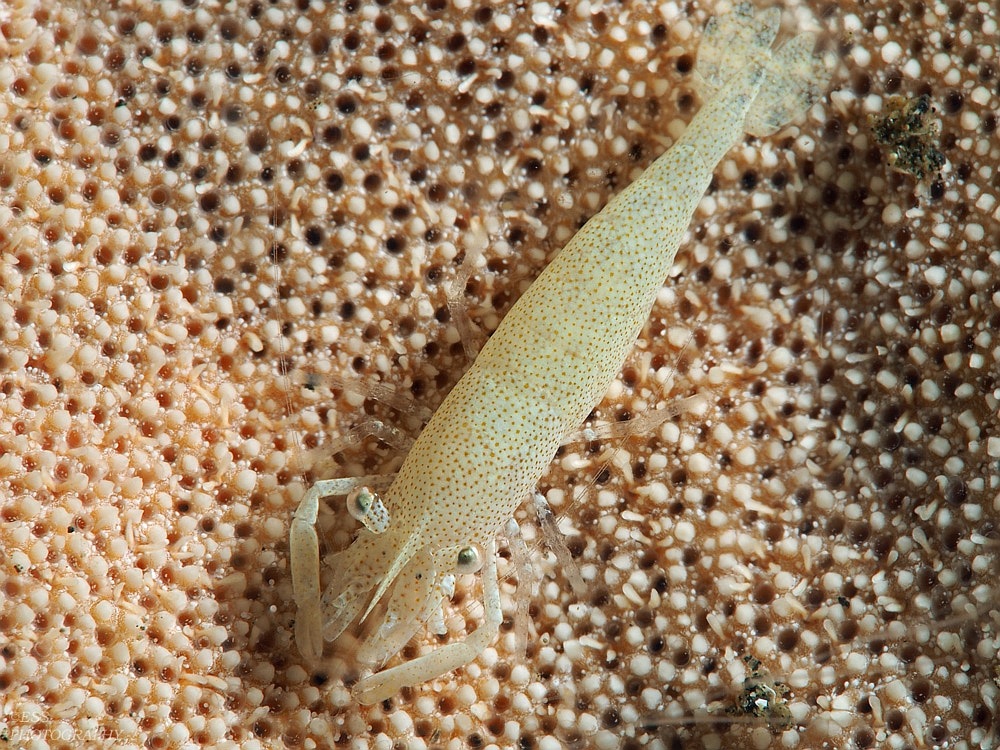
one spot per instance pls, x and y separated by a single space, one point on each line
547 365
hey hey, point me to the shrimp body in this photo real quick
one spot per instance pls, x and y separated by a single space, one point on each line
544 369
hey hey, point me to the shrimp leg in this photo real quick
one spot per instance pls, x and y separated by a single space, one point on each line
304 558
525 584
643 424
383 685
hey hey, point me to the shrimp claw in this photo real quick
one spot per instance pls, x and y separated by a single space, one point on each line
383 685
304 559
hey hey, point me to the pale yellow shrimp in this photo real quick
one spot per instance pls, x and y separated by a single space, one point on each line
547 365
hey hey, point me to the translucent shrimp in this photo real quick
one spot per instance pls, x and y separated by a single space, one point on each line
548 364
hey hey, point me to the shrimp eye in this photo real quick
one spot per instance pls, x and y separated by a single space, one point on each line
367 507
469 560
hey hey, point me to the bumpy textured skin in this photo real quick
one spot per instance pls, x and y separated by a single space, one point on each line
547 365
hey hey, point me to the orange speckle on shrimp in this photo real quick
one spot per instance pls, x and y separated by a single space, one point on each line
548 364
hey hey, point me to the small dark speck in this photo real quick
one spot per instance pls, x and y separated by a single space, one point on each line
953 102
752 232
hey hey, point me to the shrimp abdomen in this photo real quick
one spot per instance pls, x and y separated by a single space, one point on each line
566 338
